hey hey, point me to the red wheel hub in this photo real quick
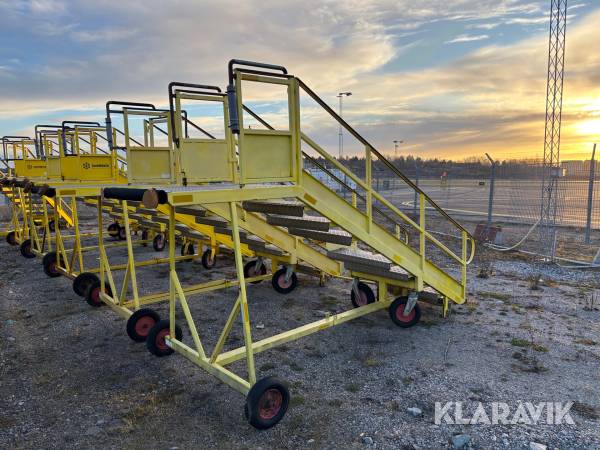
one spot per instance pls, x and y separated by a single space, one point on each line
283 283
143 325
400 314
270 404
160 342
96 296
361 299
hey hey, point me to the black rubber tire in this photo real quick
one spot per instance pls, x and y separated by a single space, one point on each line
11 238
122 234
140 323
188 249
51 226
49 262
92 295
155 341
159 242
397 307
144 237
279 277
207 262
366 293
82 282
25 249
113 230
249 271
266 403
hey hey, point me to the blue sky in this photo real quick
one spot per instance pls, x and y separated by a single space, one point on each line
451 78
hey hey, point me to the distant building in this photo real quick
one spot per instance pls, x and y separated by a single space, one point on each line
575 168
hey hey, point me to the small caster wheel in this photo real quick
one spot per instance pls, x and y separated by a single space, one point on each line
83 281
156 338
113 230
364 297
140 323
281 285
144 237
26 249
207 261
11 238
267 403
396 311
159 242
50 264
122 233
250 270
187 249
92 295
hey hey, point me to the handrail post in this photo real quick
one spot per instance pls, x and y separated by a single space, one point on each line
422 229
369 182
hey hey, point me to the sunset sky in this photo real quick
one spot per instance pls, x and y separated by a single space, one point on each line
450 78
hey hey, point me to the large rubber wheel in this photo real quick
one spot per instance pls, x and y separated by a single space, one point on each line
207 261
83 281
156 338
50 264
281 285
364 297
52 226
26 250
159 242
11 238
188 249
122 233
140 323
92 295
250 270
113 230
267 403
396 311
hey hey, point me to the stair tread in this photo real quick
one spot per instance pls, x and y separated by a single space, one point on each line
355 255
282 207
268 249
192 210
305 221
334 236
394 273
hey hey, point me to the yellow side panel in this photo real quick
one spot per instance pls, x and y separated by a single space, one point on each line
53 163
266 157
95 167
30 168
69 167
148 165
205 160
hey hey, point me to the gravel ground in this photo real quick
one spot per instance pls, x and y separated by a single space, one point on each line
71 378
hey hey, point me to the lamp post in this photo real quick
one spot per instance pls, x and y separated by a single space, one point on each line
341 95
396 143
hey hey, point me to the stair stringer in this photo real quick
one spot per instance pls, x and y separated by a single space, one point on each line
296 247
330 205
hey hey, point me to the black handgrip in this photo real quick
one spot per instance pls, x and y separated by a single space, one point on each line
243 62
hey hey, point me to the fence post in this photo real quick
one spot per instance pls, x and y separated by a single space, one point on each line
588 223
491 198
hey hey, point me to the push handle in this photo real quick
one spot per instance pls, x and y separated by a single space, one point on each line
234 121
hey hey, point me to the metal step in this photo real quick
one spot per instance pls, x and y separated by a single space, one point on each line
332 236
253 241
267 249
306 222
191 210
361 257
395 272
214 221
281 207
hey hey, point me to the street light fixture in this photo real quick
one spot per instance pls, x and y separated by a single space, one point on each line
341 95
396 143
